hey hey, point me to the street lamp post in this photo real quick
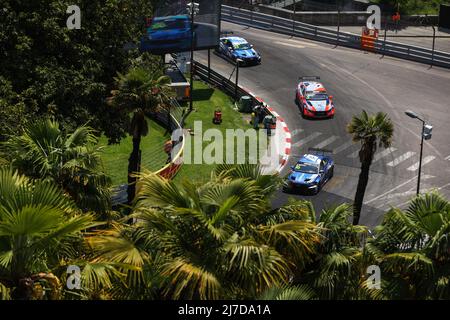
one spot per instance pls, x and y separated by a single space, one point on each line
238 62
426 135
192 7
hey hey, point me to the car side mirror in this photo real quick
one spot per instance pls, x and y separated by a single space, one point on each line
251 46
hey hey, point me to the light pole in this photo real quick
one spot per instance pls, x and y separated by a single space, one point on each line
238 62
426 135
192 8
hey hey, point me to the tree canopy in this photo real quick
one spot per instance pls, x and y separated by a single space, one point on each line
48 69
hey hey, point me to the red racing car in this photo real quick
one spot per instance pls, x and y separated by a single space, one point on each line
312 99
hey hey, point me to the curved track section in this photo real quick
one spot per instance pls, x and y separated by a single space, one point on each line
358 81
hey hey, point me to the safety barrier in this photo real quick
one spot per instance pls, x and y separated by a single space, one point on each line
346 39
226 85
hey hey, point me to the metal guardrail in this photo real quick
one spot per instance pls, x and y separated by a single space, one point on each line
224 84
304 30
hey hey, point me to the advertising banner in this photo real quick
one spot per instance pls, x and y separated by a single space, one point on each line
171 29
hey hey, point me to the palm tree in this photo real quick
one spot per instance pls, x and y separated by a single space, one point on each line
288 293
371 131
40 228
138 92
71 161
412 248
216 240
337 269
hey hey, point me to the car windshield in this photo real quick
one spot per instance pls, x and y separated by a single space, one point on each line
241 46
306 168
311 95
168 25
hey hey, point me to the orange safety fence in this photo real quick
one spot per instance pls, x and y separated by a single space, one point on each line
368 38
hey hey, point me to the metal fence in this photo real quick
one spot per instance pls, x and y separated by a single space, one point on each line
217 80
299 29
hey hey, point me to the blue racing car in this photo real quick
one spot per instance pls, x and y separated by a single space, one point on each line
310 173
168 34
238 48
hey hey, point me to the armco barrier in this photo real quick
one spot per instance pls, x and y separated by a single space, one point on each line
225 84
346 39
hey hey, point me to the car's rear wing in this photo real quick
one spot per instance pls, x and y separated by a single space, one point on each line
320 151
309 78
226 33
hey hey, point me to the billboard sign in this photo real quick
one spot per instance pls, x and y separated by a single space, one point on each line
171 29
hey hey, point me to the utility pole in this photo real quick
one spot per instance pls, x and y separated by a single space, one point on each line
192 8
238 62
426 135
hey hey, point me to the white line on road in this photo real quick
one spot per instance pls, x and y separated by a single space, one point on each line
390 191
400 159
296 132
397 187
415 166
307 139
326 142
448 158
343 147
383 154
290 44
425 191
354 155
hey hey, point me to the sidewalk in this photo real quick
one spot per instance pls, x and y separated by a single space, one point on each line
442 44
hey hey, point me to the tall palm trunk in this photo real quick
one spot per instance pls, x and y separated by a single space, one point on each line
133 166
360 191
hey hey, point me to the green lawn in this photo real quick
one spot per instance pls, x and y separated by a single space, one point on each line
206 100
115 157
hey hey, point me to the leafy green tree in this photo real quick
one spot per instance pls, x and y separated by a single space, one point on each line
337 270
412 248
139 92
371 132
39 228
52 70
212 241
72 161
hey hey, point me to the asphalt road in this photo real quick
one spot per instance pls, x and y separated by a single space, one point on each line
358 81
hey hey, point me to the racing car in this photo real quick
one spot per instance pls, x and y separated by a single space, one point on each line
311 173
235 48
312 99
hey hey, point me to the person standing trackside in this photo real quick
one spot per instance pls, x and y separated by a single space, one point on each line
255 121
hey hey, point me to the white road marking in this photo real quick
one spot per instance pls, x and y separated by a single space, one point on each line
390 191
326 142
296 132
424 177
354 155
448 158
415 166
307 139
290 44
425 191
400 159
343 147
383 154
302 42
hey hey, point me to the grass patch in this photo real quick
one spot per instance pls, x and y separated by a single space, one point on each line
115 157
206 100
